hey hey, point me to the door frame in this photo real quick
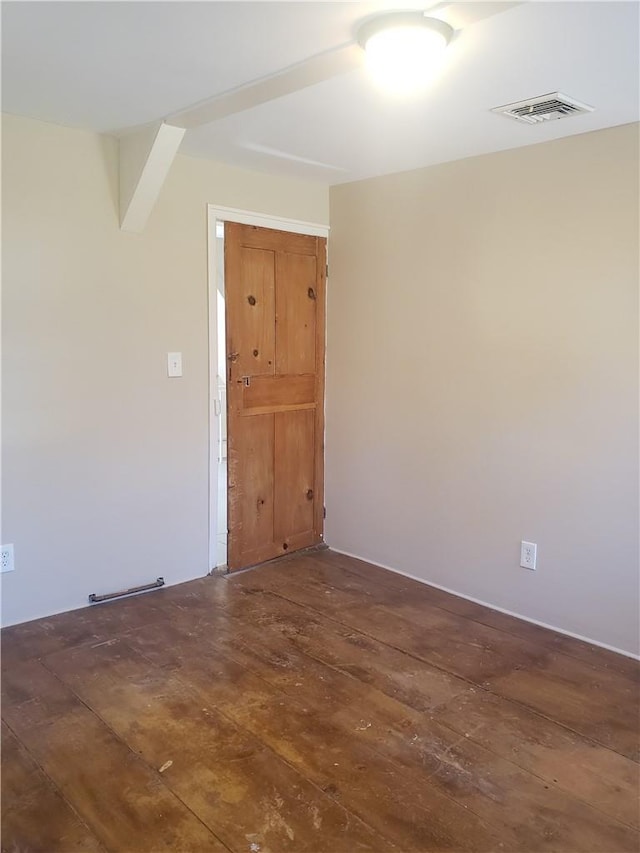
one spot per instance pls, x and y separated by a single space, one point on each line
216 214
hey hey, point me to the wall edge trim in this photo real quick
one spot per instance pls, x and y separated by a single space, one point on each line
546 625
265 220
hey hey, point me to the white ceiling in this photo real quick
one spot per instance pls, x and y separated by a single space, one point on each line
108 66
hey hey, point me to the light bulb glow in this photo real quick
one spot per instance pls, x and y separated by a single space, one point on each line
404 56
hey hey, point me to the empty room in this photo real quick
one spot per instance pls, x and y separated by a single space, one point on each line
320 387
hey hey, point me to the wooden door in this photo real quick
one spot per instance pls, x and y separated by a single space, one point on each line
275 312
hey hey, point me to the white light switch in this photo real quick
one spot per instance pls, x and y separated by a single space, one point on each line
174 364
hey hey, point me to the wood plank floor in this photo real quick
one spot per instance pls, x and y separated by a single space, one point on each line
314 704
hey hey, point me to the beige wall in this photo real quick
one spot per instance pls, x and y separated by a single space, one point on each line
482 373
105 463
483 378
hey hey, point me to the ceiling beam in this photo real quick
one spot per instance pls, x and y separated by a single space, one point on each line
311 71
146 156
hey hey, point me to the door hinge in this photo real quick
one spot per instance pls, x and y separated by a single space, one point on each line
324 512
326 272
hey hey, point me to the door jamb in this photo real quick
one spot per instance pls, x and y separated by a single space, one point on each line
215 214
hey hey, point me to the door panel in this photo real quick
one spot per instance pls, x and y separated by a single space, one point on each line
275 290
278 393
252 505
252 303
293 496
296 314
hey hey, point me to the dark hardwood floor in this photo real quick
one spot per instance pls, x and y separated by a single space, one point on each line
314 704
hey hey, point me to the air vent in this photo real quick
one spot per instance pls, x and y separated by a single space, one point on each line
544 108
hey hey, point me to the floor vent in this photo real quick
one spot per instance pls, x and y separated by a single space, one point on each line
543 108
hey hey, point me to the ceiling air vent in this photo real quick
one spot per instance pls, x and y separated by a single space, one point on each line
544 108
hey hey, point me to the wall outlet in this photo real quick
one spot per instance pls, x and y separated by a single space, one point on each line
6 562
528 554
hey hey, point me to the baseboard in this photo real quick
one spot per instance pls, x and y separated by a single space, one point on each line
84 604
492 606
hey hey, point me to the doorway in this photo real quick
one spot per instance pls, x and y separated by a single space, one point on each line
220 405
274 475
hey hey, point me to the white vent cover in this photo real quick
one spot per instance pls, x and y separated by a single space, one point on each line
543 108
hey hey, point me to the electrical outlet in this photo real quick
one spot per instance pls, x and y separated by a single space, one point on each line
528 553
6 563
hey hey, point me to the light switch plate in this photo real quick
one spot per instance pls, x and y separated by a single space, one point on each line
174 364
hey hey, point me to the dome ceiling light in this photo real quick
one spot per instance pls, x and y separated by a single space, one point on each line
404 50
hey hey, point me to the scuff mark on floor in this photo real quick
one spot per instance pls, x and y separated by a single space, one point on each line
315 816
255 845
273 819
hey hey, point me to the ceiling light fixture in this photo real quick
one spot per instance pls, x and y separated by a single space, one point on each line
404 49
